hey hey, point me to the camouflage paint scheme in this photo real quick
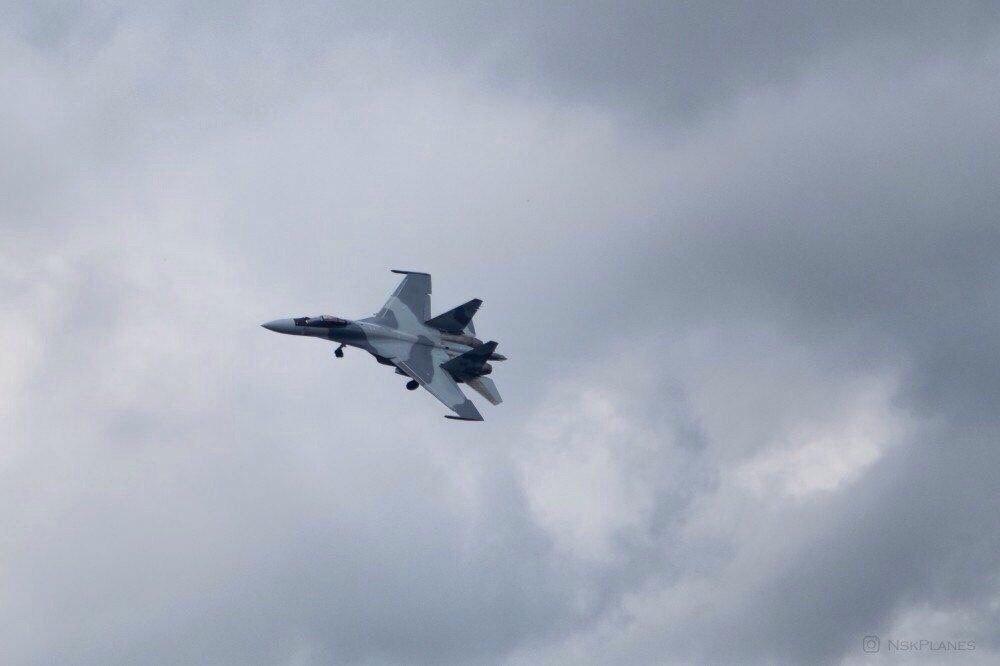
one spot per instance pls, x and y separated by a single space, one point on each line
436 353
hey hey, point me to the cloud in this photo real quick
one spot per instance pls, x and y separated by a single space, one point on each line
743 264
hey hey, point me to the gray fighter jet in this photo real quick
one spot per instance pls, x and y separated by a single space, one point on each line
438 353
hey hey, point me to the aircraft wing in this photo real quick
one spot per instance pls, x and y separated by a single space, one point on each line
423 364
409 306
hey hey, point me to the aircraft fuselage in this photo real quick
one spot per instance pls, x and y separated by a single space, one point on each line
366 334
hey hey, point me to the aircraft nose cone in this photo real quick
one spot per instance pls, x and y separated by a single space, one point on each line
280 326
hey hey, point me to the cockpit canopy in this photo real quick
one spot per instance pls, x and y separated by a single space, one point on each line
322 321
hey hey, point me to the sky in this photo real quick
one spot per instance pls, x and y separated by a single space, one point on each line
744 259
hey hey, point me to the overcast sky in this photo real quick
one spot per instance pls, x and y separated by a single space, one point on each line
744 259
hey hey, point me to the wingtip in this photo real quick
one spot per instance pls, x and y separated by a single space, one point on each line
462 418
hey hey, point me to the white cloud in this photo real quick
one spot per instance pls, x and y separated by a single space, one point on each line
821 457
579 472
721 333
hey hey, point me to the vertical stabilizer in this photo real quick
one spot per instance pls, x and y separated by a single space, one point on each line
457 320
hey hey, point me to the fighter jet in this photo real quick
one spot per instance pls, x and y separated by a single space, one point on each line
438 353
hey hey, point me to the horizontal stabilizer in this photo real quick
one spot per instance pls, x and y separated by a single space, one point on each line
485 387
456 320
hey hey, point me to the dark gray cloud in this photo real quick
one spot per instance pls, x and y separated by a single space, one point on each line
743 260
